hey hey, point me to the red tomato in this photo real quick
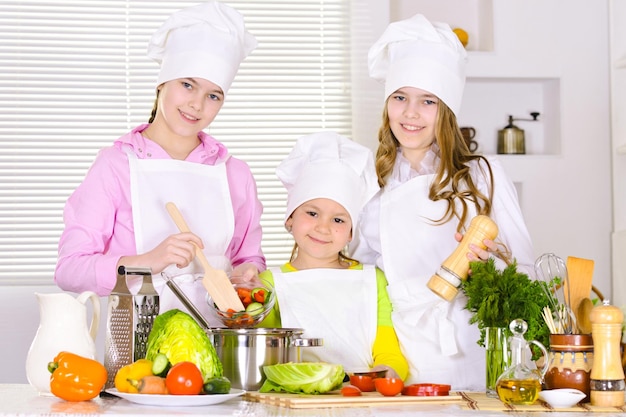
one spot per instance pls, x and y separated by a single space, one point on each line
363 382
389 386
184 378
350 391
425 390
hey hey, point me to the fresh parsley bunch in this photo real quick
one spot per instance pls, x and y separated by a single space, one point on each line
497 297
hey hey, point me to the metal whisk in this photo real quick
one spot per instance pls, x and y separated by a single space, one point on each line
553 271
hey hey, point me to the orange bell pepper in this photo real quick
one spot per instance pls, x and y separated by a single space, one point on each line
76 378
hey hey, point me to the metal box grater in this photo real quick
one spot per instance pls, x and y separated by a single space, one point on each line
129 320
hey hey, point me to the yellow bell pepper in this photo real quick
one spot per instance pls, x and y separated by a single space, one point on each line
132 372
76 378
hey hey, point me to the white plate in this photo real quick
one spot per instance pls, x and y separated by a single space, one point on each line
177 400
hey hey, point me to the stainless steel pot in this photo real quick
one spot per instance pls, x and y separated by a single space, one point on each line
244 352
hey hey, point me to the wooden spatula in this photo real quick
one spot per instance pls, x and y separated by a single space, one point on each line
580 277
215 281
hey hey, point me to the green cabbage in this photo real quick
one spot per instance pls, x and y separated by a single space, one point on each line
177 335
302 378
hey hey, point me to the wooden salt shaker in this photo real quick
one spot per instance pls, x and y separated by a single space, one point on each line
607 374
455 268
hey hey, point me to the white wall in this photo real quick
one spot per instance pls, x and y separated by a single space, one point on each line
527 55
618 104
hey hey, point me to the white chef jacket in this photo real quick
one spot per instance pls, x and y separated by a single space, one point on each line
444 333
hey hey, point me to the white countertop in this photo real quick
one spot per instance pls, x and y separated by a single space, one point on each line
23 400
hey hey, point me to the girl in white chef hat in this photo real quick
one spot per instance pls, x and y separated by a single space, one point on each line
329 178
432 186
117 215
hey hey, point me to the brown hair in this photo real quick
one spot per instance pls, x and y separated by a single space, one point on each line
154 106
453 181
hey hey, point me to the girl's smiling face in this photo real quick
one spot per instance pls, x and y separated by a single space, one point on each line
322 228
412 118
188 105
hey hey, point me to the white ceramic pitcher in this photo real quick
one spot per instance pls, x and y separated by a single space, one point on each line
62 327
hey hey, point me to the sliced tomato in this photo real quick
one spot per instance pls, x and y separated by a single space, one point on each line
424 390
350 391
363 382
389 387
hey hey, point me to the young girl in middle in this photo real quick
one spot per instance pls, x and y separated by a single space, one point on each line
329 178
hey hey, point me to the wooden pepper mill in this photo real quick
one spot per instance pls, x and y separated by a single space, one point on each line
445 283
607 374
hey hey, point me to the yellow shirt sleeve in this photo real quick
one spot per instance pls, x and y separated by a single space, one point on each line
386 349
272 321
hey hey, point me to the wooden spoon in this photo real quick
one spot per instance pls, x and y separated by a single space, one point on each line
583 315
215 281
580 280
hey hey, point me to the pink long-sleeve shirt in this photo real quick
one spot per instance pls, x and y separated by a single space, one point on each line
99 221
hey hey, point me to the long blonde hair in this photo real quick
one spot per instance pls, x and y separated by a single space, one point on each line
453 181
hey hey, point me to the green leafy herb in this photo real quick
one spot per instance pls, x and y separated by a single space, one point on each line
497 297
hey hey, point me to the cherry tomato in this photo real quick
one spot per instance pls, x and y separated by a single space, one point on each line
184 378
363 382
426 390
350 391
389 386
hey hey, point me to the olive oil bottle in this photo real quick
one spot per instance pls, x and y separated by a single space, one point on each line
518 391
519 384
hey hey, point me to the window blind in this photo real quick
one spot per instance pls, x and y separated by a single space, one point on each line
74 76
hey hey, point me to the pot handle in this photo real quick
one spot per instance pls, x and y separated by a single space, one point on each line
308 342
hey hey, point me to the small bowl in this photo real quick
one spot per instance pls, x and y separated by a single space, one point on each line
363 382
371 374
562 397
250 317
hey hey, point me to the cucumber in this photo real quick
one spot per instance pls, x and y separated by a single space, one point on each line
161 365
254 308
217 385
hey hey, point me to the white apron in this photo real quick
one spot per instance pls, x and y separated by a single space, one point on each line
434 335
202 195
338 305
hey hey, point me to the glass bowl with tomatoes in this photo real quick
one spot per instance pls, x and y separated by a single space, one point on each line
257 299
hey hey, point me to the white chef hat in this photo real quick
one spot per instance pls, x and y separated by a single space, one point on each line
207 41
328 165
417 53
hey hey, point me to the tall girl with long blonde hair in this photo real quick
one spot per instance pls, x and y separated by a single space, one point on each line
432 186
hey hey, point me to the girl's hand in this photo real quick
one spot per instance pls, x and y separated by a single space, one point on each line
176 249
245 273
391 373
476 253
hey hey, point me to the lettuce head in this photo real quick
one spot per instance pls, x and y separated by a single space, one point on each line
177 335
302 378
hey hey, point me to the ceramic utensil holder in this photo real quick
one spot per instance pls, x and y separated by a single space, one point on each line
571 359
